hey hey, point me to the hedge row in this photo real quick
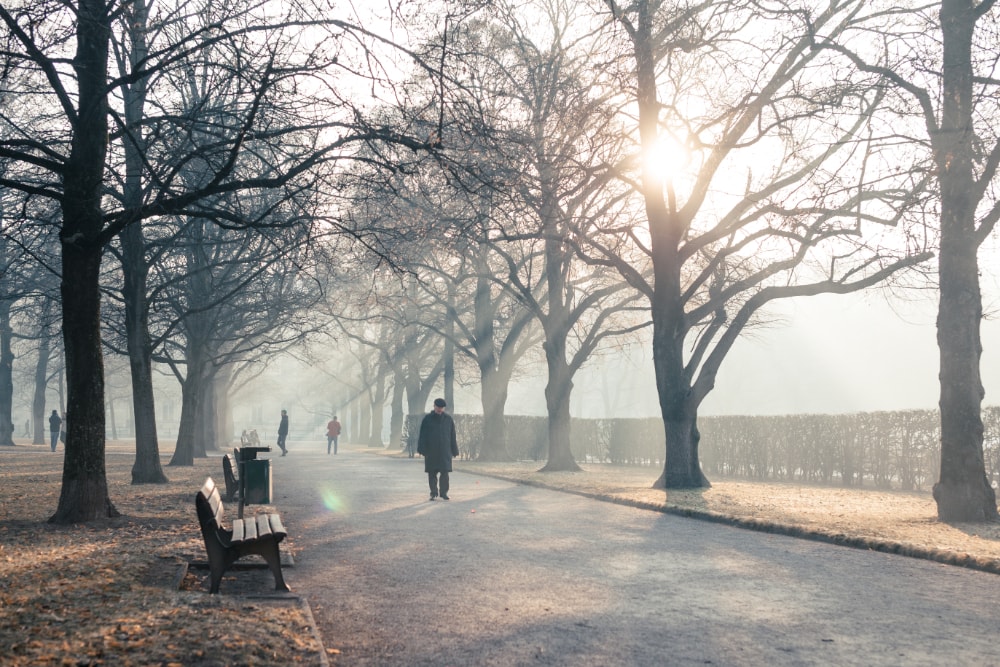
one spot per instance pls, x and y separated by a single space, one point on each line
883 449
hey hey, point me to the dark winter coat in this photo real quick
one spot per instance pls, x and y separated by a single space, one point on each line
283 426
437 442
55 421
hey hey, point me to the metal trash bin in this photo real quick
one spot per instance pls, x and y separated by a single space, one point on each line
256 480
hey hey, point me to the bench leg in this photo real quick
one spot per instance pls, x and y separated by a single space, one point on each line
268 549
218 563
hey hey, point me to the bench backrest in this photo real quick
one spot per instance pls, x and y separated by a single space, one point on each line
211 512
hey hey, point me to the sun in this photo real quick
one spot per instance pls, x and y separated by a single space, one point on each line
667 159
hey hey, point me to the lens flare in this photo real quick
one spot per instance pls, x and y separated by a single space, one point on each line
332 501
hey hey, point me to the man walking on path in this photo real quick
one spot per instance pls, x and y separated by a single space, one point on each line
332 434
283 432
437 443
55 422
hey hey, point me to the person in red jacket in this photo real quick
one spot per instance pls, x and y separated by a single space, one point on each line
332 434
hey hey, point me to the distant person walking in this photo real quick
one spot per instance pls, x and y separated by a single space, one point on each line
55 424
332 434
283 432
438 444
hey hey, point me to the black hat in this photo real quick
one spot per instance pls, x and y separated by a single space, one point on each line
439 403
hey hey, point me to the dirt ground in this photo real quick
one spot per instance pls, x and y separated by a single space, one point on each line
119 592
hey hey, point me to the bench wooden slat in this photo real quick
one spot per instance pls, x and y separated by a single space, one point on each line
245 530
276 527
263 525
239 534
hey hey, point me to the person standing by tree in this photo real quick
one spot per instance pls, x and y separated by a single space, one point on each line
332 434
283 432
438 444
55 423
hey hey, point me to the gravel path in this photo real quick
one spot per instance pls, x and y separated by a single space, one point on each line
505 574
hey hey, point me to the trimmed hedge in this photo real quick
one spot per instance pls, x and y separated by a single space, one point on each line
890 450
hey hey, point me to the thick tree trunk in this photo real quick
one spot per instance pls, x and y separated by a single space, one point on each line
224 426
963 493
365 410
112 422
39 423
135 271
205 417
681 468
147 468
6 378
378 408
396 414
492 382
84 494
557 396
191 396
493 388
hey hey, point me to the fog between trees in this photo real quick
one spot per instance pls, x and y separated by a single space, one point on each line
458 194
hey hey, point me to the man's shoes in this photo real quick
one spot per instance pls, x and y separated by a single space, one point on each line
444 497
283 452
433 497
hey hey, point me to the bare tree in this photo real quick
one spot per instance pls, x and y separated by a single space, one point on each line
942 60
557 131
787 189
64 158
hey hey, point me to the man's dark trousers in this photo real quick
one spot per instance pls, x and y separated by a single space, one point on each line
432 479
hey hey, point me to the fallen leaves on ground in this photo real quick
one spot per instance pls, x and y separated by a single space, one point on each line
105 593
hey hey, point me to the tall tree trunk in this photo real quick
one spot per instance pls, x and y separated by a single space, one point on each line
365 410
192 394
207 417
559 384
378 407
6 377
493 392
557 396
396 414
682 468
84 495
449 351
963 492
41 378
112 422
224 426
492 383
147 468
135 270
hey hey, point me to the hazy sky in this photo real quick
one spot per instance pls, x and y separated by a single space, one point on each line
827 354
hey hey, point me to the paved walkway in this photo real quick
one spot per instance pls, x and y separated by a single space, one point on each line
505 574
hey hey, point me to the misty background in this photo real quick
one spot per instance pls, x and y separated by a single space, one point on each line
830 354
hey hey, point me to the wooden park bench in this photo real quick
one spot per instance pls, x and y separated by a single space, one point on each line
229 466
259 534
